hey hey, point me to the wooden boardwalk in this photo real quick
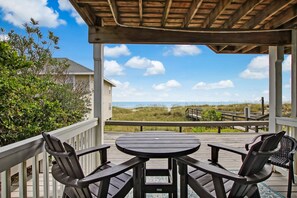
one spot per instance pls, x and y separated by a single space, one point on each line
276 182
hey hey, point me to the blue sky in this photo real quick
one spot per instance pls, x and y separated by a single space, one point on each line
150 72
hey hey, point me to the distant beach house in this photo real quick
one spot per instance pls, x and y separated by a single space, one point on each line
81 76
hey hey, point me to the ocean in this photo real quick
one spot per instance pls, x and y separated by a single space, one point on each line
165 104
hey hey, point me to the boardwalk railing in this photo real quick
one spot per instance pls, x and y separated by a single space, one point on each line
28 157
218 124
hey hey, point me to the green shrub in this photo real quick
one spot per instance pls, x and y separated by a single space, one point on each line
211 115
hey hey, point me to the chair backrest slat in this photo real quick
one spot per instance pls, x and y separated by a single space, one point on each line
68 162
255 161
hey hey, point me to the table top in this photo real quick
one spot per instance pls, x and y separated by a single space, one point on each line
158 144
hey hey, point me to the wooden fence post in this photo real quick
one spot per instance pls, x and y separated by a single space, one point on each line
247 116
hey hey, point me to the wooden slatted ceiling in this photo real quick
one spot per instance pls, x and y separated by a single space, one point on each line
190 15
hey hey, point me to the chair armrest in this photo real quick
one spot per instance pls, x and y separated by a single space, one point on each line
111 172
262 175
91 150
216 147
61 177
211 169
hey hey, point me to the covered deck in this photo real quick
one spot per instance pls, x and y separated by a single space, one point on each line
227 26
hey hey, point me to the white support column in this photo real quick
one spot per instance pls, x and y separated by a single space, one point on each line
276 57
294 74
98 91
294 87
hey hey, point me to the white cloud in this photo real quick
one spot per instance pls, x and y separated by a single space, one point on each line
217 85
18 12
65 5
120 85
152 67
112 68
167 86
125 92
4 37
117 51
183 50
258 68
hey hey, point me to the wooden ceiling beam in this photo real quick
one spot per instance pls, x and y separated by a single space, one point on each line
282 18
131 35
166 12
245 9
192 12
267 12
218 10
140 11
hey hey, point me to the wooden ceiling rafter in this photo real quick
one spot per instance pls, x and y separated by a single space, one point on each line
114 10
269 11
140 11
282 18
192 12
244 10
87 13
218 10
166 12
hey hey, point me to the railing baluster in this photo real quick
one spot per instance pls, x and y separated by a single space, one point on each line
87 146
55 189
5 184
23 179
35 176
45 168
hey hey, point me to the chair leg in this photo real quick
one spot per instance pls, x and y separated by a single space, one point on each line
256 194
183 172
290 180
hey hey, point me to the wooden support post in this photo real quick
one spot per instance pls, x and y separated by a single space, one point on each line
276 57
180 129
98 94
219 129
141 128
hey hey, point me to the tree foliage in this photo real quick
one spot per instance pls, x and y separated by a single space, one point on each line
29 102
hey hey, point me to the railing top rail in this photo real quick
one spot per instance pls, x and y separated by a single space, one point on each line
13 154
186 123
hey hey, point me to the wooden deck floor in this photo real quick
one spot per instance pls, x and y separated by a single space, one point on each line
276 182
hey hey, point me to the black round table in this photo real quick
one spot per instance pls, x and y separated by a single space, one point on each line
157 145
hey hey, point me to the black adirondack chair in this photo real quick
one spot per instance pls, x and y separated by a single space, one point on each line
284 157
212 180
107 180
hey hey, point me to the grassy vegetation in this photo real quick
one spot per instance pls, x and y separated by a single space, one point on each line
176 113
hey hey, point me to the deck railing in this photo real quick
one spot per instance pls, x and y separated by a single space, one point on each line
180 125
28 157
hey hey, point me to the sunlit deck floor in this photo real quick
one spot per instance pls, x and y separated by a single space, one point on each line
276 182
